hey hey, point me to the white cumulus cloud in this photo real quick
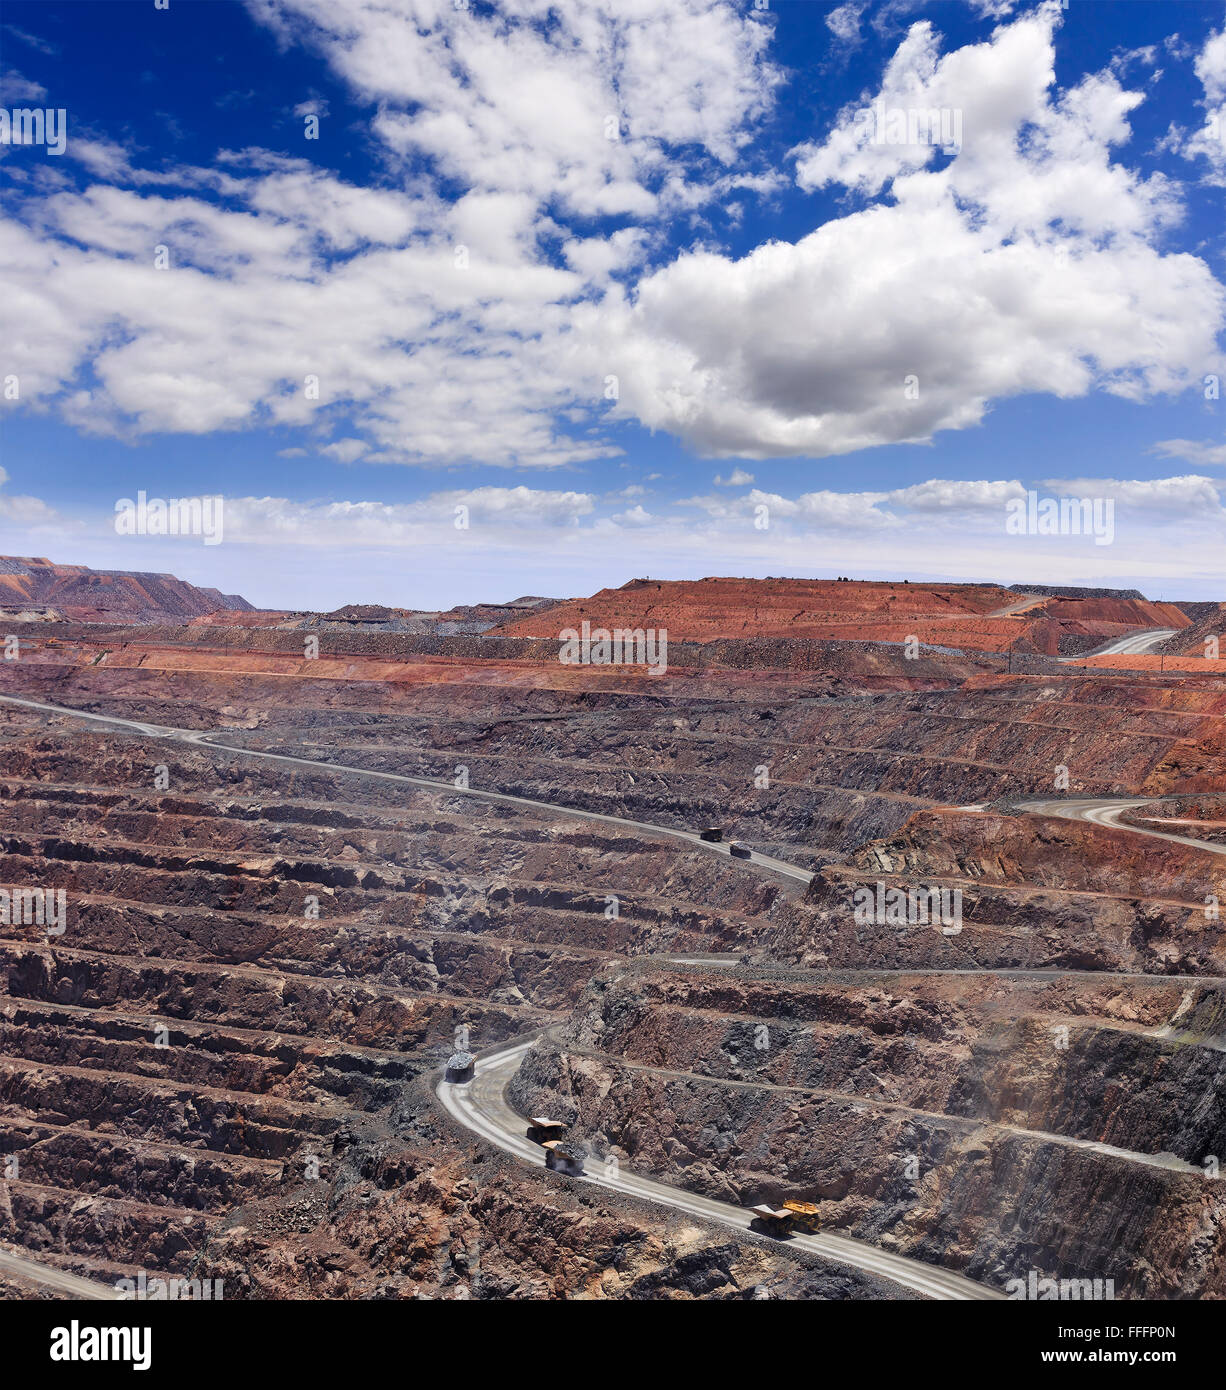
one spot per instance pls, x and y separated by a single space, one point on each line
1029 260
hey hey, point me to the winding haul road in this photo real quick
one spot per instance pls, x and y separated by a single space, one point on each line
1107 812
25 1268
481 1105
205 739
1135 644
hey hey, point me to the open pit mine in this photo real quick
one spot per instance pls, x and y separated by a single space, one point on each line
871 949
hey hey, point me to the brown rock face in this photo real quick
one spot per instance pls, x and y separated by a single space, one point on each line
994 1125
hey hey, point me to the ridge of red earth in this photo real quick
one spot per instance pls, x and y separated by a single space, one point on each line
977 617
87 595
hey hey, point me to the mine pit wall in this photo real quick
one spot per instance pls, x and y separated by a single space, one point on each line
1016 849
868 659
262 910
960 1079
980 1048
186 908
232 905
434 896
297 1069
990 1204
828 788
1209 621
149 1237
788 818
835 799
348 1011
186 1114
986 1200
111 1165
1107 901
1002 928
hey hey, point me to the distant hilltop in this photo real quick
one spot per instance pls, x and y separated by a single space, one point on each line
77 593
462 620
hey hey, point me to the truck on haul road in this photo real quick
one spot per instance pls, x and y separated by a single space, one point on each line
739 850
772 1221
562 1156
781 1221
804 1214
541 1129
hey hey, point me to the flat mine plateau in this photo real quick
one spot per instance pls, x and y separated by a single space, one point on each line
352 901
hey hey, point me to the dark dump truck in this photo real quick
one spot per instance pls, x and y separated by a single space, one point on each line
460 1067
783 1221
564 1156
541 1129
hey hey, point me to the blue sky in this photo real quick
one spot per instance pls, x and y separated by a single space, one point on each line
636 284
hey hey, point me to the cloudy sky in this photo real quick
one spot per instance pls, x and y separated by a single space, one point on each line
631 287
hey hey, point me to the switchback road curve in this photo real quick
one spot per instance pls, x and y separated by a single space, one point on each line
1135 644
481 1106
1106 811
